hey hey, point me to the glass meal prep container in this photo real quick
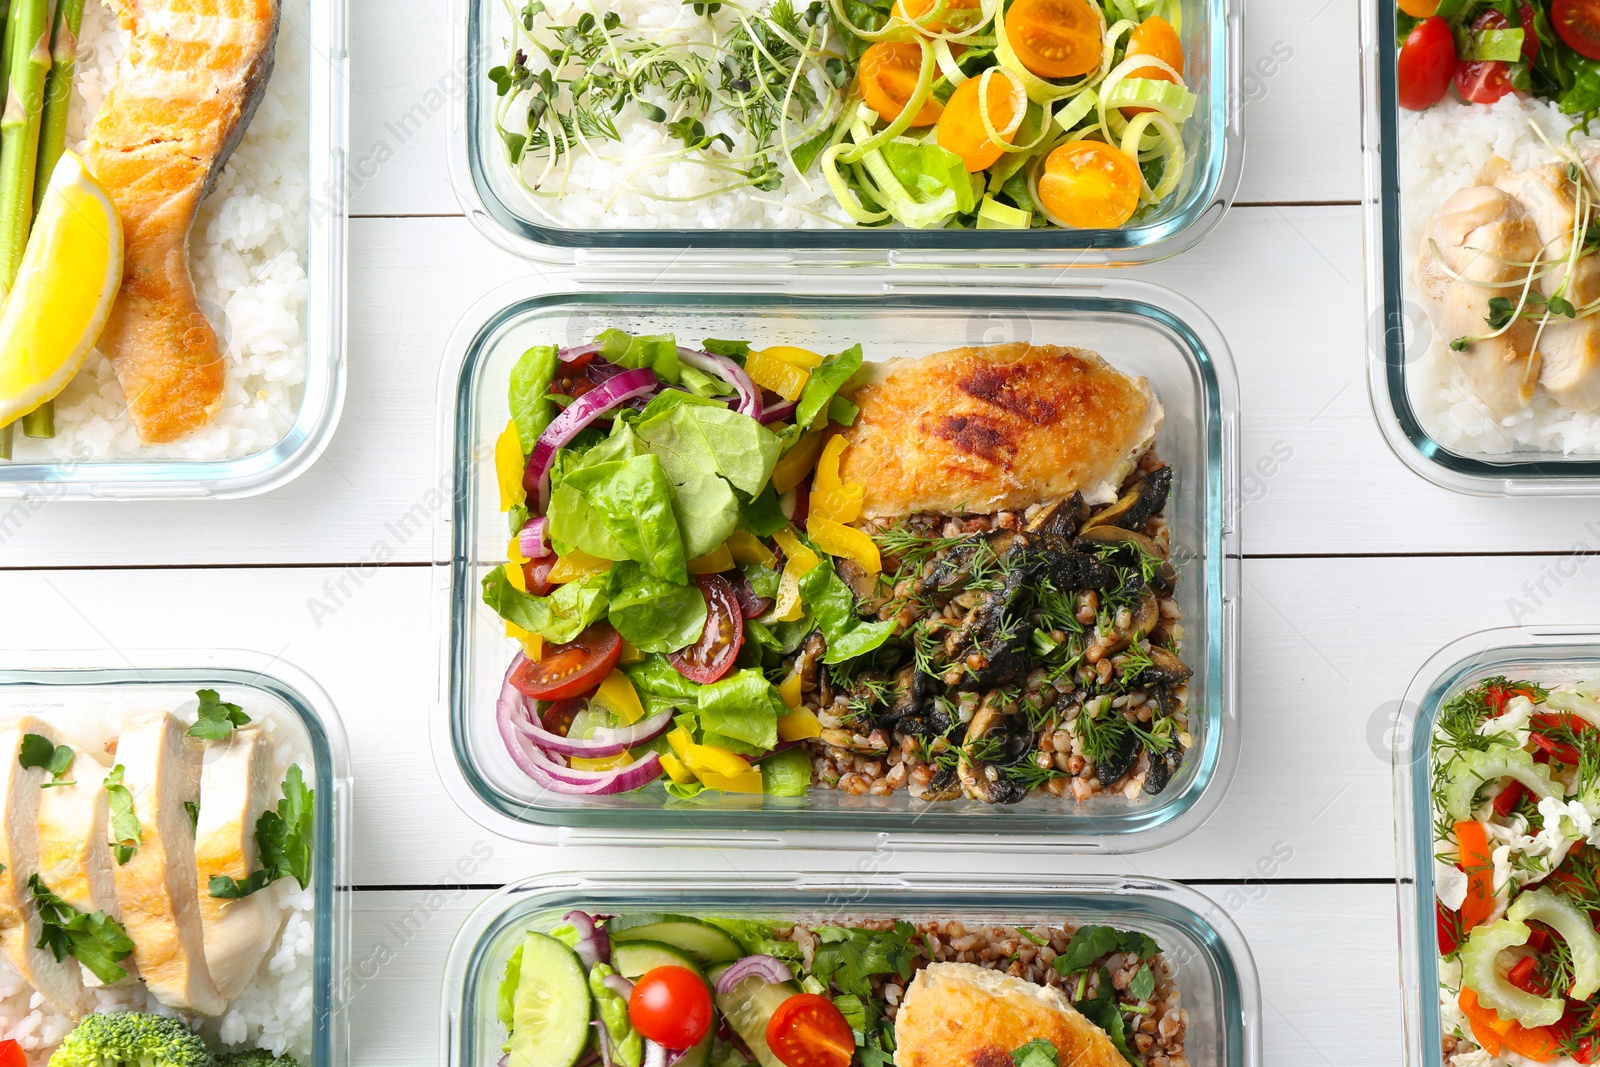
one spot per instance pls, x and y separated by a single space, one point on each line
1139 328
51 685
1400 339
1542 653
506 213
1214 969
321 396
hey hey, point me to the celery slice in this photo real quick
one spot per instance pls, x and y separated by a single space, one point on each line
1470 771
1566 919
1480 974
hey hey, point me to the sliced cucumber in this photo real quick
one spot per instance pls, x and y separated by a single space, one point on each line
700 1055
550 1011
701 940
634 958
749 1007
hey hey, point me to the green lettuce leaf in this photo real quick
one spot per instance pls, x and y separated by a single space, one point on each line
531 409
654 615
655 676
825 381
829 601
744 706
714 438
559 617
658 352
761 515
927 170
632 500
788 774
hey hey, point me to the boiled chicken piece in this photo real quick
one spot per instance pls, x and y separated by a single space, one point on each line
74 858
59 983
1569 350
156 887
1476 237
233 794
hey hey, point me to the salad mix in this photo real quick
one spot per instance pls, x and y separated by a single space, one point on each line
696 599
926 113
647 989
1516 796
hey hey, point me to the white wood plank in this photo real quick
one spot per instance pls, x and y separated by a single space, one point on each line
399 940
1329 648
1298 73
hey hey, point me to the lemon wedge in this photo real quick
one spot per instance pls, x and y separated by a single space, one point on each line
64 292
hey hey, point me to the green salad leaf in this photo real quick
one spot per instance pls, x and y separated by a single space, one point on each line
217 718
559 617
627 1047
1102 1010
531 409
826 380
1036 1053
788 774
658 352
761 514
37 750
632 500
743 706
652 614
1090 943
654 676
831 603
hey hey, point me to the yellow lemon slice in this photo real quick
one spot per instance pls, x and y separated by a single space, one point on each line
64 292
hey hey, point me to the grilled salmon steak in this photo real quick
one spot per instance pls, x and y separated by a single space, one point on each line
191 79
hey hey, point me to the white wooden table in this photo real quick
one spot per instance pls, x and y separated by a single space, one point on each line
1356 569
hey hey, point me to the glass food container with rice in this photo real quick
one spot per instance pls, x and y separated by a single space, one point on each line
1496 799
1084 132
758 961
840 560
128 372
1483 286
188 855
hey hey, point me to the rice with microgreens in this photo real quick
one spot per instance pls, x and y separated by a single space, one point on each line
1442 150
275 1011
248 258
644 180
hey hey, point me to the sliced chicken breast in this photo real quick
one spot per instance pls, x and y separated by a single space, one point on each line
234 788
59 983
1466 260
1569 350
156 887
74 857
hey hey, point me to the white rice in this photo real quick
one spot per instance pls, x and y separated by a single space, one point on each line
608 188
275 1010
1441 151
248 257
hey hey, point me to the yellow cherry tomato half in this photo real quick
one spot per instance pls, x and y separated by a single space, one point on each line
1420 9
957 14
1090 185
1056 38
887 75
1155 37
961 128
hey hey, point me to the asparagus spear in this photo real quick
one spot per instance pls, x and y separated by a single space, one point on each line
52 142
27 64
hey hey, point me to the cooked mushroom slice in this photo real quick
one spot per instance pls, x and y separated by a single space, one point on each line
946 785
1163 767
1056 526
951 572
1136 545
912 688
1120 761
1165 669
929 723
1073 570
1145 617
1143 500
810 661
981 779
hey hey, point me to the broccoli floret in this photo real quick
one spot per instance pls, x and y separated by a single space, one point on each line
132 1039
255 1057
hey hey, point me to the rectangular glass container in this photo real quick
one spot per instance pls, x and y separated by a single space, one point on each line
1545 654
1399 334
507 214
1215 971
49 684
1140 328
322 394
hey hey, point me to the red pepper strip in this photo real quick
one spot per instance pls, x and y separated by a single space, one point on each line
1558 752
1472 845
1585 1051
1493 1032
1509 798
1523 977
1538 938
1448 925
1498 696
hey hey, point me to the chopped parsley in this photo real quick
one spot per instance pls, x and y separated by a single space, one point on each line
39 751
126 833
284 839
94 939
217 717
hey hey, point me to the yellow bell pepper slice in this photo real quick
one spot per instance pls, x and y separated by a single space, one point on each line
517 578
798 462
676 770
509 464
630 654
680 741
800 357
601 763
799 725
846 542
796 550
746 547
832 498
514 556
709 759
716 561
532 644
618 696
748 782
789 690
575 566
802 560
827 479
776 373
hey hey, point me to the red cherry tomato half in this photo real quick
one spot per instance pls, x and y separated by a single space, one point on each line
11 1055
712 656
1484 81
557 717
808 1031
1530 33
571 669
671 1006
1577 22
1427 62
536 575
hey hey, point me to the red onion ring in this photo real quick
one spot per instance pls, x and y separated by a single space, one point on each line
577 352
730 372
557 777
531 541
603 743
618 985
593 945
778 412
567 425
769 969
